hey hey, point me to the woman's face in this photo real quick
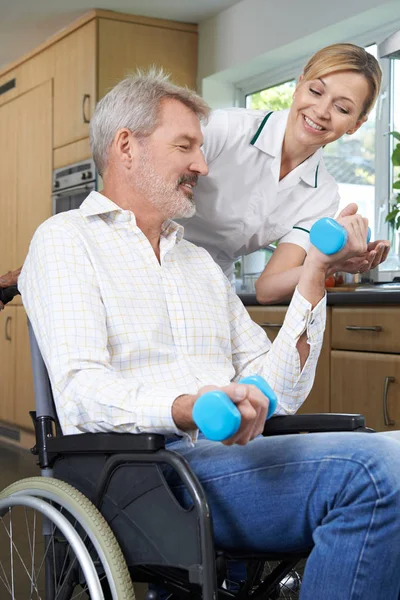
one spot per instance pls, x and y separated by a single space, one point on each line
324 109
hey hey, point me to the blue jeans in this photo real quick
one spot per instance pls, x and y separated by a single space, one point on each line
337 492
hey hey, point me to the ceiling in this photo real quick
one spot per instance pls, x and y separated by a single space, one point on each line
24 24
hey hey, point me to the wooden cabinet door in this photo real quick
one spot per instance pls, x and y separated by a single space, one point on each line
7 364
123 47
8 179
74 84
34 164
24 390
367 383
366 328
270 318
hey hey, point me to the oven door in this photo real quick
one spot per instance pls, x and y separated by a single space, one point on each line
71 198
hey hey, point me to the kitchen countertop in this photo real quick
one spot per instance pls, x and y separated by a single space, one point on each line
364 294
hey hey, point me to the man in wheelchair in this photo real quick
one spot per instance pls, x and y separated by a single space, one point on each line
134 324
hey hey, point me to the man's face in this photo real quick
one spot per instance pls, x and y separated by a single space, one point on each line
171 161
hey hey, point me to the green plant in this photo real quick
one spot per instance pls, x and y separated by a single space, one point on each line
394 215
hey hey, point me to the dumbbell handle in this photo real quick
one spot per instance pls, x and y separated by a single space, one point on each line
329 236
217 416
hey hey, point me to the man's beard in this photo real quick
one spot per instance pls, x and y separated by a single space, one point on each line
169 198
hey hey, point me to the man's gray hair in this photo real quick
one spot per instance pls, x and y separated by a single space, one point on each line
134 103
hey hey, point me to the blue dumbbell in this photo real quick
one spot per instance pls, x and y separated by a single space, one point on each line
217 416
329 237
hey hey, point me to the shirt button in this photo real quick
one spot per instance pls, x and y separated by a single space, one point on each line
312 322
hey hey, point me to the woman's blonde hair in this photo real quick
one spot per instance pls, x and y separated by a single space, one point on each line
346 57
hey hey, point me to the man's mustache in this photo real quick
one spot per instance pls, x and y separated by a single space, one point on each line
191 179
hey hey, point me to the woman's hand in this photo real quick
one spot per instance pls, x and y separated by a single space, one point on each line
9 278
377 253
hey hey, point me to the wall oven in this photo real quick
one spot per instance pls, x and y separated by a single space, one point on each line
72 184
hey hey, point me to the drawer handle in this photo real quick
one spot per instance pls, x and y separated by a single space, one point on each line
387 419
367 328
272 325
85 99
6 330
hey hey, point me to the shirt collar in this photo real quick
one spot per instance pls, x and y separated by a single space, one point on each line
171 229
97 204
309 169
269 139
270 132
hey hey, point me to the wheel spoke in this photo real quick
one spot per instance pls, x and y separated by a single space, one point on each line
32 547
5 579
13 548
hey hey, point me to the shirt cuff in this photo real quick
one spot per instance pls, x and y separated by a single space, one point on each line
300 317
160 418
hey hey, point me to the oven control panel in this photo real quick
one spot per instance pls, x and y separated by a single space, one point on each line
80 173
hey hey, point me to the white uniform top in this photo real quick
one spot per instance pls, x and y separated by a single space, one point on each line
241 206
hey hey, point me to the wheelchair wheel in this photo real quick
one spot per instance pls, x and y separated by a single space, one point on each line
289 587
53 566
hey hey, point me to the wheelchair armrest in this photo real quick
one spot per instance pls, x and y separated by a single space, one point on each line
105 443
313 423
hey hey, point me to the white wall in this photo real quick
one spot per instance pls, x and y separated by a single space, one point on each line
256 36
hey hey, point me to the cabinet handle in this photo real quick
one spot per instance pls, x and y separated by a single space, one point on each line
6 330
367 328
85 98
387 419
272 325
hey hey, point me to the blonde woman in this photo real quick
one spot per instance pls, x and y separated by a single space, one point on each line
267 179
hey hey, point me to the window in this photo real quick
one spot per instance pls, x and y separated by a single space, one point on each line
351 161
277 97
395 117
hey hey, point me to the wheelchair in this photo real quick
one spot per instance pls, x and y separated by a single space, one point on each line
67 537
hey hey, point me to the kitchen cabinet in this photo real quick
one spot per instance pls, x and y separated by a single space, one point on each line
271 318
25 172
367 383
34 164
74 84
24 396
16 381
92 58
37 68
8 178
25 202
125 46
365 364
369 329
7 363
